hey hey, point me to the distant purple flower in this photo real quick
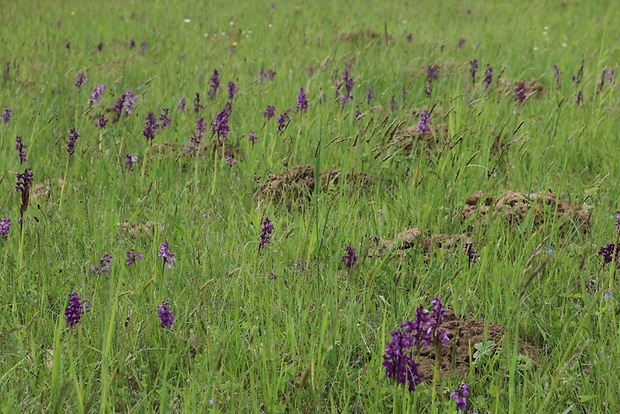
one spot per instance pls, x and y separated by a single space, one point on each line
165 315
370 95
577 78
24 183
104 265
5 226
348 83
100 46
96 94
150 126
358 114
432 73
438 335
6 117
131 257
302 101
219 126
163 118
557 75
601 83
68 45
472 255
618 221
167 255
181 106
609 252
266 231
197 105
199 132
520 91
488 77
393 103
102 122
283 120
80 80
270 111
459 396
579 97
132 44
611 75
75 309
143 47
130 160
409 37
214 84
349 259
125 103
425 121
20 147
473 69
461 42
230 161
266 75
232 90
73 137
252 137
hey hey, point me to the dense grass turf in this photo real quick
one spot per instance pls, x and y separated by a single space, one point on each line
277 321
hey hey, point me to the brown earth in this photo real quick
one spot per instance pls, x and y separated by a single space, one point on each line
514 207
533 88
294 187
413 237
363 35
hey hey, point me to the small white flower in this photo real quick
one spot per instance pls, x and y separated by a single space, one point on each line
564 45
535 48
187 20
405 22
546 28
269 25
231 23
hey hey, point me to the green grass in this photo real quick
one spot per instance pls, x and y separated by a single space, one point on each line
251 322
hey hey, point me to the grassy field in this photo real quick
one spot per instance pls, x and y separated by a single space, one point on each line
168 245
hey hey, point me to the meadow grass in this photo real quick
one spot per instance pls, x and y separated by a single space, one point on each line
288 327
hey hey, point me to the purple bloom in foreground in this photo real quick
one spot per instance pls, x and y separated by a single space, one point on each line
265 233
104 265
252 137
181 106
609 252
269 113
20 147
425 121
131 257
100 46
125 103
167 255
6 117
399 363
102 122
520 91
96 94
283 121
232 90
219 125
214 84
349 259
302 101
5 226
165 315
437 334
73 136
459 396
80 80
75 309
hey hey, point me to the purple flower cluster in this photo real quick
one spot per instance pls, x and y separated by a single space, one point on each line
488 77
130 160
232 90
125 103
609 252
96 94
348 83
167 255
230 161
265 233
181 106
20 147
266 75
131 257
432 73
73 137
472 255
459 396
520 92
6 117
425 121
5 226
269 113
423 330
618 221
102 122
473 69
199 132
104 265
197 106
24 183
165 315
283 120
214 84
75 309
219 126
302 101
349 259
151 125
80 80
252 137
